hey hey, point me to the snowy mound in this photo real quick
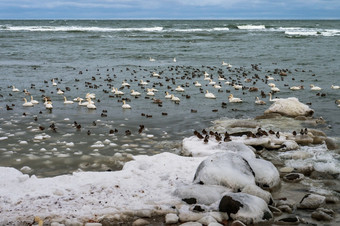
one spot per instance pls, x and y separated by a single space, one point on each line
291 107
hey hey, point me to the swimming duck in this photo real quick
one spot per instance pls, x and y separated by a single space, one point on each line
209 95
233 99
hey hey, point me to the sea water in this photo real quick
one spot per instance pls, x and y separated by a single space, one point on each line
93 56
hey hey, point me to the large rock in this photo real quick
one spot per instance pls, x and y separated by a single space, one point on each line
311 201
244 207
291 107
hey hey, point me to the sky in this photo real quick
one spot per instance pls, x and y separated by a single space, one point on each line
169 9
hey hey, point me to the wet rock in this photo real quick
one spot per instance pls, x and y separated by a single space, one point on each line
311 201
293 177
237 223
215 224
244 124
285 208
246 208
185 216
322 214
275 211
206 220
290 220
269 115
331 145
257 191
286 169
140 222
191 224
171 218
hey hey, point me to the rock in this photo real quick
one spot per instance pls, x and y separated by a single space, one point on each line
191 224
275 211
202 194
206 220
322 214
237 223
215 224
285 208
227 169
331 145
190 216
286 169
93 224
269 115
290 220
290 107
293 177
244 124
247 208
198 208
140 222
57 224
171 218
257 191
311 201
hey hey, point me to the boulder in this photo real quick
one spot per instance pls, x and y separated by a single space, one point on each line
290 107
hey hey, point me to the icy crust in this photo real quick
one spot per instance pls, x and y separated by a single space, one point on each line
291 107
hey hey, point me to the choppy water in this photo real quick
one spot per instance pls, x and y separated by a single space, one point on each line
32 53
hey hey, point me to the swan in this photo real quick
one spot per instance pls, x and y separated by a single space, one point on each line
34 101
27 92
15 89
83 103
151 59
210 95
167 95
150 92
335 87
67 101
135 93
233 99
220 78
211 82
91 95
226 64
206 74
60 92
217 87
54 83
271 84
260 102
78 99
143 83
227 83
48 105
124 83
174 60
27 104
175 99
197 84
153 90
237 86
118 92
179 89
125 105
90 104
296 88
313 87
275 89
269 77
154 74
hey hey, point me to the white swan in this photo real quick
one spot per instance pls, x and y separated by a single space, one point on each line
217 86
90 104
335 87
167 95
197 84
143 83
233 99
34 101
54 83
273 100
211 82
90 95
237 86
269 77
260 102
15 89
125 105
67 101
135 93
315 88
27 104
209 95
150 92
226 64
48 105
81 103
118 92
296 88
124 83
155 74
60 92
175 99
151 59
220 78
78 99
275 89
174 60
179 89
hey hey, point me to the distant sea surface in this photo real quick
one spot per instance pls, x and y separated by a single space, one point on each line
92 56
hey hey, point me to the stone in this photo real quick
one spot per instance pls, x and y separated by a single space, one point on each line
93 224
140 222
293 177
290 220
257 191
275 211
237 223
286 169
330 143
285 208
311 201
207 220
320 215
191 224
171 218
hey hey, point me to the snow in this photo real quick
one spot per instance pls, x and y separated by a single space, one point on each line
290 107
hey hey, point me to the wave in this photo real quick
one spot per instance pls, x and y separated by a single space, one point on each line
299 31
251 27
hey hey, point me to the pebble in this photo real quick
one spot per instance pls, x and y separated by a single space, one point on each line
293 177
286 169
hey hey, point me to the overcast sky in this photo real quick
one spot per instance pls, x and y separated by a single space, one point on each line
169 9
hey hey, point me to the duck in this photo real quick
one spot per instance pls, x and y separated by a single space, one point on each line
27 104
260 102
90 104
197 84
167 95
175 99
135 93
335 87
67 101
143 83
209 95
150 92
179 89
125 105
233 99
60 92
15 89
34 101
315 88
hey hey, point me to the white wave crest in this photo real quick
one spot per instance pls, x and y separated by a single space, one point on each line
299 31
251 27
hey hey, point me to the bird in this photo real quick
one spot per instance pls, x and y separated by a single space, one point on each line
275 89
175 99
90 95
118 92
335 87
27 104
155 74
60 92
233 99
90 104
237 86
220 78
135 93
260 102
174 60
296 88
272 100
151 59
54 83
124 83
34 101
167 95
67 101
15 89
209 95
143 83
226 64
49 105
315 88
211 82
150 92
197 84
217 86
125 105
179 89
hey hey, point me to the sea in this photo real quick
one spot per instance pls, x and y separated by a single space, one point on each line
95 56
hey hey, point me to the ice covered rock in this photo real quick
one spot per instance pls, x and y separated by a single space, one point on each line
257 191
247 208
311 201
171 218
291 107
227 169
